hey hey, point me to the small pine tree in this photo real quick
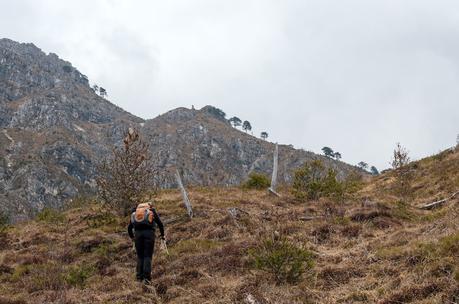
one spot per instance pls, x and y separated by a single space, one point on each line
246 126
257 181
328 152
374 170
127 176
403 174
362 165
102 92
337 155
235 121
264 135
307 182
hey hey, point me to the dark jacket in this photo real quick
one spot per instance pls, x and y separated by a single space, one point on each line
156 221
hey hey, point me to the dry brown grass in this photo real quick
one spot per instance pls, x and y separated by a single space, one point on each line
368 249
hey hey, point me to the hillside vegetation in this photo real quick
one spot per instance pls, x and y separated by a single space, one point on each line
371 248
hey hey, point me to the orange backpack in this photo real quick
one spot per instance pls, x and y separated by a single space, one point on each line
143 215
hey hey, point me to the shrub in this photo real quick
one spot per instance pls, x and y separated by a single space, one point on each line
307 181
4 221
45 277
67 68
331 187
282 259
403 172
77 275
50 215
19 272
313 181
126 175
257 181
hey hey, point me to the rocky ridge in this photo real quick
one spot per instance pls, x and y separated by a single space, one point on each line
55 128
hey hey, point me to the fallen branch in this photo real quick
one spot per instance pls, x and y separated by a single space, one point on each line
309 218
439 203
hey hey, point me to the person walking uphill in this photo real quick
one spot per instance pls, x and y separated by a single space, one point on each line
141 230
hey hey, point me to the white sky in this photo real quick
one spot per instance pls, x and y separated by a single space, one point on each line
357 76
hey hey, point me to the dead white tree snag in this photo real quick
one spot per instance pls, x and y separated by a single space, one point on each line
186 201
272 189
439 203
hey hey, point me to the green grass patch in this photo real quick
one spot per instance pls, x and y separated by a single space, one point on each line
193 246
434 215
49 215
19 272
402 211
391 253
77 276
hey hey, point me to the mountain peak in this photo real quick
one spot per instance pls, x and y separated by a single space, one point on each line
56 130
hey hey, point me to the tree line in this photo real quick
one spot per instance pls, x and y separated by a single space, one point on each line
337 156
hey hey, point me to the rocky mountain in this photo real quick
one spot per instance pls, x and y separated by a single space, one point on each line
55 128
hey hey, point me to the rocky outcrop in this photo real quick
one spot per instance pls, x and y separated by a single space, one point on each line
54 130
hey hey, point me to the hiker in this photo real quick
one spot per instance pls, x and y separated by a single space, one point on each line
141 230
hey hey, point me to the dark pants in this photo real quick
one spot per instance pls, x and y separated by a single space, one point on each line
144 246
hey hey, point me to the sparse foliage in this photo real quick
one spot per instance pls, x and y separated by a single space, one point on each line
374 170
102 92
328 152
95 88
235 121
403 174
283 259
50 215
337 155
256 181
264 135
313 180
127 175
218 113
67 68
362 165
246 126
77 275
4 221
308 179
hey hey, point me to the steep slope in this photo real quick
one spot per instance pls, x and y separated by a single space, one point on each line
54 129
209 151
364 250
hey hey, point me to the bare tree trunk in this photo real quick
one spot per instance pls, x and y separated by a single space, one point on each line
439 203
273 187
186 201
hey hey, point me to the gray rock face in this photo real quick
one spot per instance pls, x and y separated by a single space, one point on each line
54 130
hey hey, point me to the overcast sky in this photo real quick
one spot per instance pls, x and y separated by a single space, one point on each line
357 76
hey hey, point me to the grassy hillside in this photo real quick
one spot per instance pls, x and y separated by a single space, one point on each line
372 248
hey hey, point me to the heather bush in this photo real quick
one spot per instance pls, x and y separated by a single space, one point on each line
256 181
283 259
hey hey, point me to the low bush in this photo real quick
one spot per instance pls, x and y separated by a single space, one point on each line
256 181
77 275
285 261
49 215
47 276
313 180
4 220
